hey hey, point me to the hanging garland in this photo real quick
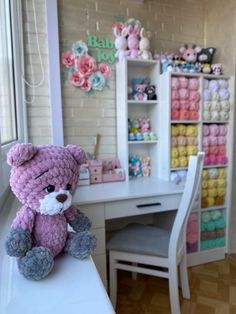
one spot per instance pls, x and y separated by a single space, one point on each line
83 71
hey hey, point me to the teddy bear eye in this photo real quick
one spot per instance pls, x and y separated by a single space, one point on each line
68 186
50 188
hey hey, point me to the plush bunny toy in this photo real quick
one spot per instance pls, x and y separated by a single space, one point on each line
144 46
133 41
121 43
44 179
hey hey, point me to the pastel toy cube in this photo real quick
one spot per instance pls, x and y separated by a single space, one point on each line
96 178
95 167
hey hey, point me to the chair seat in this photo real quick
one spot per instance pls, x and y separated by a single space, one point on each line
141 239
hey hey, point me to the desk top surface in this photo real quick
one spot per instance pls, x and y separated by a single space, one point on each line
114 191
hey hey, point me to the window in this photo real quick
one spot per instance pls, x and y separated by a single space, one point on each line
12 111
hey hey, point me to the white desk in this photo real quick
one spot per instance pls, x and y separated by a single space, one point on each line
101 202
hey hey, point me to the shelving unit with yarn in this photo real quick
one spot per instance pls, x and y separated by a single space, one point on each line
134 142
197 115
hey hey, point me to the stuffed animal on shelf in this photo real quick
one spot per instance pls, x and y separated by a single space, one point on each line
189 54
144 46
217 68
206 55
139 92
133 41
44 179
150 90
121 43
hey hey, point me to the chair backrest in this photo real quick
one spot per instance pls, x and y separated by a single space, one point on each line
178 233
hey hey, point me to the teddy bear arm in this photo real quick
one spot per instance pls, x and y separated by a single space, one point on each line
18 242
77 220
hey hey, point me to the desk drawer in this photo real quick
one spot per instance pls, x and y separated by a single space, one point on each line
140 206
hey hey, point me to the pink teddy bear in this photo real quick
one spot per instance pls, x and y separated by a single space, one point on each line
44 179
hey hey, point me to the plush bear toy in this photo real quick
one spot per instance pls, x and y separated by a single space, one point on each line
44 179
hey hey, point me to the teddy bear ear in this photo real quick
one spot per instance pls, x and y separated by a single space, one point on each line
20 153
78 153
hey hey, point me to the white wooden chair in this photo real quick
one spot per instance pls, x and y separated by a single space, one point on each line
142 245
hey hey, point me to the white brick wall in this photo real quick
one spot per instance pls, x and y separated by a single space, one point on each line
39 129
171 24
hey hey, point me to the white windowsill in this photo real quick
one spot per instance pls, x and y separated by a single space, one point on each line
73 286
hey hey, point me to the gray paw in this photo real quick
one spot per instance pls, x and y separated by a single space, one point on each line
80 222
18 242
80 245
37 263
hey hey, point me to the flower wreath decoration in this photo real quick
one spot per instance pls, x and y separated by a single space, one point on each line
83 71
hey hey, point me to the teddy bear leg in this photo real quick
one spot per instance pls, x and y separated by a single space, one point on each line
80 244
37 263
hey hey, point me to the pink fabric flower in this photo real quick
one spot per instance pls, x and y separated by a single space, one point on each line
86 86
105 70
67 59
86 65
76 79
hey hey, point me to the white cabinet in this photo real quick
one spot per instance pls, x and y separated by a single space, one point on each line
126 70
209 130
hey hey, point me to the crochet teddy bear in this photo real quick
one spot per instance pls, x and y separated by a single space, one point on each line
44 179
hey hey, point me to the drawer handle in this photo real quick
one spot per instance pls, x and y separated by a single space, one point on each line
148 205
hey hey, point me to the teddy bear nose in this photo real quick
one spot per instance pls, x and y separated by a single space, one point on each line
61 198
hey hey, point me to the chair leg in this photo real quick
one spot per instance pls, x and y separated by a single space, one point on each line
173 289
112 280
184 277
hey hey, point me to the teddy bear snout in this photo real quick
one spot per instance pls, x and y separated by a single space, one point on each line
61 198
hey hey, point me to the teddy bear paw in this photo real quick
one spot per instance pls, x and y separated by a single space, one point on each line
18 242
37 263
81 244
